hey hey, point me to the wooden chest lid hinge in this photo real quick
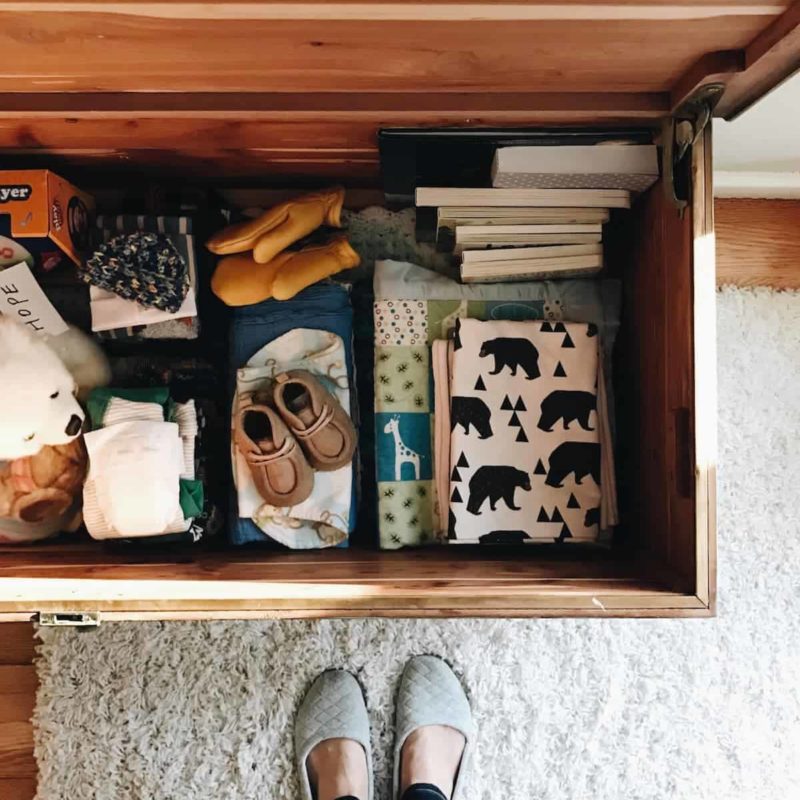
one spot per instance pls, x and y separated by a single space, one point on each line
83 620
680 131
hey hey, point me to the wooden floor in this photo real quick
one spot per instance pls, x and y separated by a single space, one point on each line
758 244
17 697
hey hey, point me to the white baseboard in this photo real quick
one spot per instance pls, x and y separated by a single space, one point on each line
757 184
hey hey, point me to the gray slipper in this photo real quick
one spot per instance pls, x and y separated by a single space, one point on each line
431 694
333 708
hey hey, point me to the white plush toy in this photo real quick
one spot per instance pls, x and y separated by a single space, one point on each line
42 457
39 379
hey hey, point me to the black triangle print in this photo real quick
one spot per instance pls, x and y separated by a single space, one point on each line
480 386
564 533
559 371
546 328
556 516
457 335
567 341
542 516
559 328
506 404
455 477
456 497
451 525
521 437
573 502
540 470
520 405
591 330
514 421
462 461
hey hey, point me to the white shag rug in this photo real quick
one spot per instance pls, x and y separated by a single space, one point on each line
566 709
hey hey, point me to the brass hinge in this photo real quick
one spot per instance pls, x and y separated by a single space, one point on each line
68 619
680 132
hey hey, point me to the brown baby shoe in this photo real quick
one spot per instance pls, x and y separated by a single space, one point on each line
280 470
315 417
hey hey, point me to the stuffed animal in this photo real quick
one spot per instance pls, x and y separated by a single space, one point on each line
42 459
40 495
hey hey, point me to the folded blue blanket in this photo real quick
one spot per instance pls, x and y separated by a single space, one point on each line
324 306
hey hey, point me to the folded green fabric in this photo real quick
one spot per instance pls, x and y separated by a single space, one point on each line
100 398
192 497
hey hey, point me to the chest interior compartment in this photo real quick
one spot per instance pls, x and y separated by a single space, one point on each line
257 101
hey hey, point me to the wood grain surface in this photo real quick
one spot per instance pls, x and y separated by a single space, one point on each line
758 242
17 698
211 47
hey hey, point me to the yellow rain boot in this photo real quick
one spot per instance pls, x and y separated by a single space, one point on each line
240 281
280 226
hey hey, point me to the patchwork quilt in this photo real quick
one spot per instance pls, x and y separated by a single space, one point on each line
413 308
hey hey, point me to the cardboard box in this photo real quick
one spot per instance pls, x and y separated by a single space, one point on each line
42 219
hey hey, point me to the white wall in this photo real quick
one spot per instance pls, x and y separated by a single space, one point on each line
758 154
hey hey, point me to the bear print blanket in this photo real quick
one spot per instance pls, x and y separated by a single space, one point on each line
525 445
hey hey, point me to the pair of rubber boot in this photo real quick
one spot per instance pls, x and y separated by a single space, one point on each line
256 263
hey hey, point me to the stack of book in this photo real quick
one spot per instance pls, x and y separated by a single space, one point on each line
545 216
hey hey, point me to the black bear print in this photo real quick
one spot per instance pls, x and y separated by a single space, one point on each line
568 407
496 483
512 353
592 517
582 458
504 537
466 411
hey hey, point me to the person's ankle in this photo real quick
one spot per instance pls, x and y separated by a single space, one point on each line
338 768
432 755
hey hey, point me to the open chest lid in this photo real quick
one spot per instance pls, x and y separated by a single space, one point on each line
288 85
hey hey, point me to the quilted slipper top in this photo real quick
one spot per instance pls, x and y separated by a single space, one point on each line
333 708
431 694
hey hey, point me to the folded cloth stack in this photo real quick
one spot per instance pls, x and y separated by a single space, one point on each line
143 278
414 307
527 433
313 331
141 479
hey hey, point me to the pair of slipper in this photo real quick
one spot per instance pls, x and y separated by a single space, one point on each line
334 708
288 433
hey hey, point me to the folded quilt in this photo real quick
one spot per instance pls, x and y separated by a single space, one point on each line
441 363
413 308
525 444
323 519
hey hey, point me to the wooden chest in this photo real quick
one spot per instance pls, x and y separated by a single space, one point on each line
293 93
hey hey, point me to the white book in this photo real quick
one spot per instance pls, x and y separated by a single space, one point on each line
542 198
465 240
477 257
465 232
600 166
533 269
510 243
451 216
